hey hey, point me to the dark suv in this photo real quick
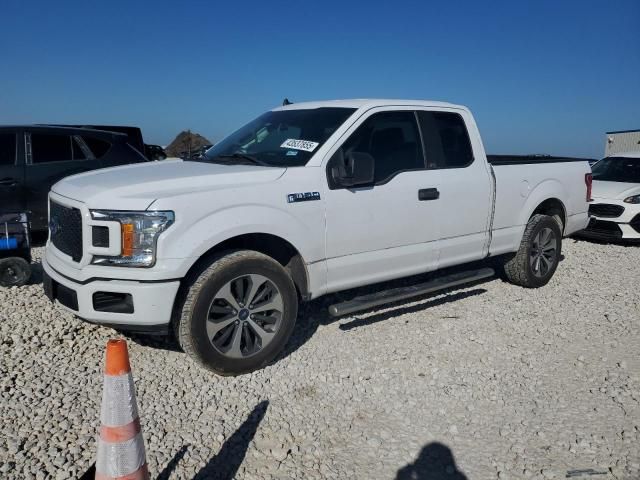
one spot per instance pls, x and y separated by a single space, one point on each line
34 157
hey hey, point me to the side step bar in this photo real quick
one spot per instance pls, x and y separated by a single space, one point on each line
366 302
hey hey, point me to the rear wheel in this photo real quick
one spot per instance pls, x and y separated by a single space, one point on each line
537 258
14 271
238 313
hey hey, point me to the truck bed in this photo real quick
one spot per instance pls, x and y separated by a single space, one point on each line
498 160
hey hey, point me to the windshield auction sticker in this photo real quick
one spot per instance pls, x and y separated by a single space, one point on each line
306 145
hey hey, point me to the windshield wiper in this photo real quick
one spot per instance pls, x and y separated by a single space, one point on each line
245 157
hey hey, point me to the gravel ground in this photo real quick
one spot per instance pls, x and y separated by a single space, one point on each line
491 381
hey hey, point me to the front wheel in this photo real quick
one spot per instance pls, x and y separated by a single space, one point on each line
238 313
537 258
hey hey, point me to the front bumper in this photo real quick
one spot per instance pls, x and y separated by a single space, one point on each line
152 301
610 231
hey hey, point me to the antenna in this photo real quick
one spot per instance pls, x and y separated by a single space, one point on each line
286 102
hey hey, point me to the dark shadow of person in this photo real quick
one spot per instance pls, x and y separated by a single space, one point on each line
435 462
228 460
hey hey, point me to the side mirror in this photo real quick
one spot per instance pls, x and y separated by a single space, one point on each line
354 169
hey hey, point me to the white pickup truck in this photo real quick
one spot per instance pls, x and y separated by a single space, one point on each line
305 200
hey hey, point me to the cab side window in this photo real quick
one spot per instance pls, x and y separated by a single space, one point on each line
446 140
7 148
392 139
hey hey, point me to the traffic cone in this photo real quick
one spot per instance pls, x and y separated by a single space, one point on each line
121 452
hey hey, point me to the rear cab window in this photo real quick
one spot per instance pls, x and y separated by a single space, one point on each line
446 139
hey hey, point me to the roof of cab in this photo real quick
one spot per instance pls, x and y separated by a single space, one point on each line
44 128
367 103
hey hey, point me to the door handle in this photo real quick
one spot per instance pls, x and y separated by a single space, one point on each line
8 182
428 194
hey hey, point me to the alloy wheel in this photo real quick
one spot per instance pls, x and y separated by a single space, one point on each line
543 252
244 316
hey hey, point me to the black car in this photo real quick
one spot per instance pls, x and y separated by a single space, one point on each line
154 152
34 157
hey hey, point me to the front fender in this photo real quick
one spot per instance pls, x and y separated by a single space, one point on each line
190 238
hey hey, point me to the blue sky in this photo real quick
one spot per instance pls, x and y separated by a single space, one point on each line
540 77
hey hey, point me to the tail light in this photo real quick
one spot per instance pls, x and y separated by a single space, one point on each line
588 180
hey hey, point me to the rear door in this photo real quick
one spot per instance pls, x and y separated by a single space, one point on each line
50 156
12 186
464 183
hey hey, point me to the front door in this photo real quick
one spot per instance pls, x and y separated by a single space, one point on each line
12 197
388 229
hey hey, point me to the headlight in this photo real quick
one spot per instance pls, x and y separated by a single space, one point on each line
632 199
139 232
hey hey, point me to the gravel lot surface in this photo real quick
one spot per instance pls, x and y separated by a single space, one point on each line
491 381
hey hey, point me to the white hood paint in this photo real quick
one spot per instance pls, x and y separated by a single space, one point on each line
614 190
136 187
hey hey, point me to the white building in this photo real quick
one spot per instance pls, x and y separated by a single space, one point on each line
622 141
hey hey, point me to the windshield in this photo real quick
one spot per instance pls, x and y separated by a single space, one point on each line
284 138
617 169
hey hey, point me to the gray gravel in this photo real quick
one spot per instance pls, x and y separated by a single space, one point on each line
492 381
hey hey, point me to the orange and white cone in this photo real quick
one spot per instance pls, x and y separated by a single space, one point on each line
121 452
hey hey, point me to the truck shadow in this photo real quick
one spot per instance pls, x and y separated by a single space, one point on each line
316 313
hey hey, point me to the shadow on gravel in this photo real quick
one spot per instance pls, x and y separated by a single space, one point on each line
363 322
316 313
228 460
172 465
435 462
161 342
630 243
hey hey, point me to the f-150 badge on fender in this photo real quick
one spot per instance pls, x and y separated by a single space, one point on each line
303 197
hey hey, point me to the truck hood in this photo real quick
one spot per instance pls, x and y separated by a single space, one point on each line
136 187
614 190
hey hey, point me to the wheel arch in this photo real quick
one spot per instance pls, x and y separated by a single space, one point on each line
268 244
546 198
554 208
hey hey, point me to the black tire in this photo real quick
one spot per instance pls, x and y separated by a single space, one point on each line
14 271
521 268
199 293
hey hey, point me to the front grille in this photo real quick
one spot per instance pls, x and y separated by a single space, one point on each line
605 210
604 228
65 229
